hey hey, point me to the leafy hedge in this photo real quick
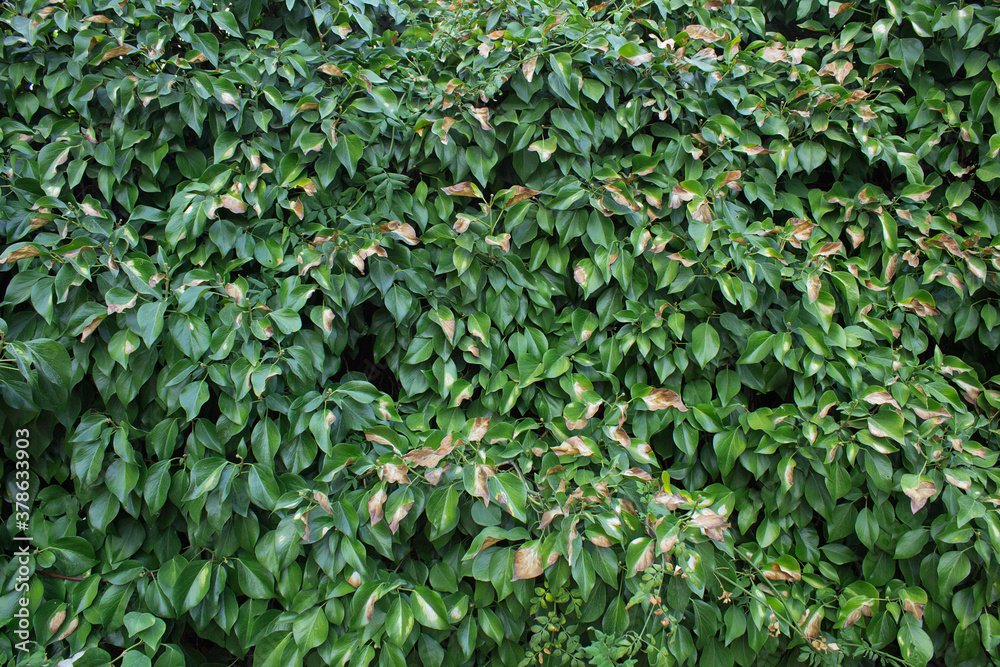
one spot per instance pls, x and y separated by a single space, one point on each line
520 333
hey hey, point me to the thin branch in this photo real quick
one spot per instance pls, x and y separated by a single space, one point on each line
63 576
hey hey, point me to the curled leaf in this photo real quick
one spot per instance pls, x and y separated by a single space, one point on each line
920 494
403 230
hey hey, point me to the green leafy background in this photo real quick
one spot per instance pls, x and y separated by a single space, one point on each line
520 333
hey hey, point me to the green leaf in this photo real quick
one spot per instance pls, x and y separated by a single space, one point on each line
428 608
310 628
399 622
192 585
758 347
225 20
914 643
728 446
867 527
705 343
205 475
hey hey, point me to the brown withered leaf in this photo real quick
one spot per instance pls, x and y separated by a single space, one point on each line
703 213
375 504
636 61
813 286
57 620
780 573
24 252
122 307
323 501
855 616
481 488
398 515
298 209
331 70
479 428
801 231
963 484
394 473
520 193
920 495
756 150
669 500
661 399
90 328
232 204
527 563
528 68
482 114
839 8
711 524
502 241
548 516
915 608
731 177
600 541
810 623
829 248
403 230
645 560
881 398
638 473
98 18
116 52
573 446
774 53
937 416
696 31
69 629
463 189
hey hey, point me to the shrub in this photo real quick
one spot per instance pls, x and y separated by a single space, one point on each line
509 334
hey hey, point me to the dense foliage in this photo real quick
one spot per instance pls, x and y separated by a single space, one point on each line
519 333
